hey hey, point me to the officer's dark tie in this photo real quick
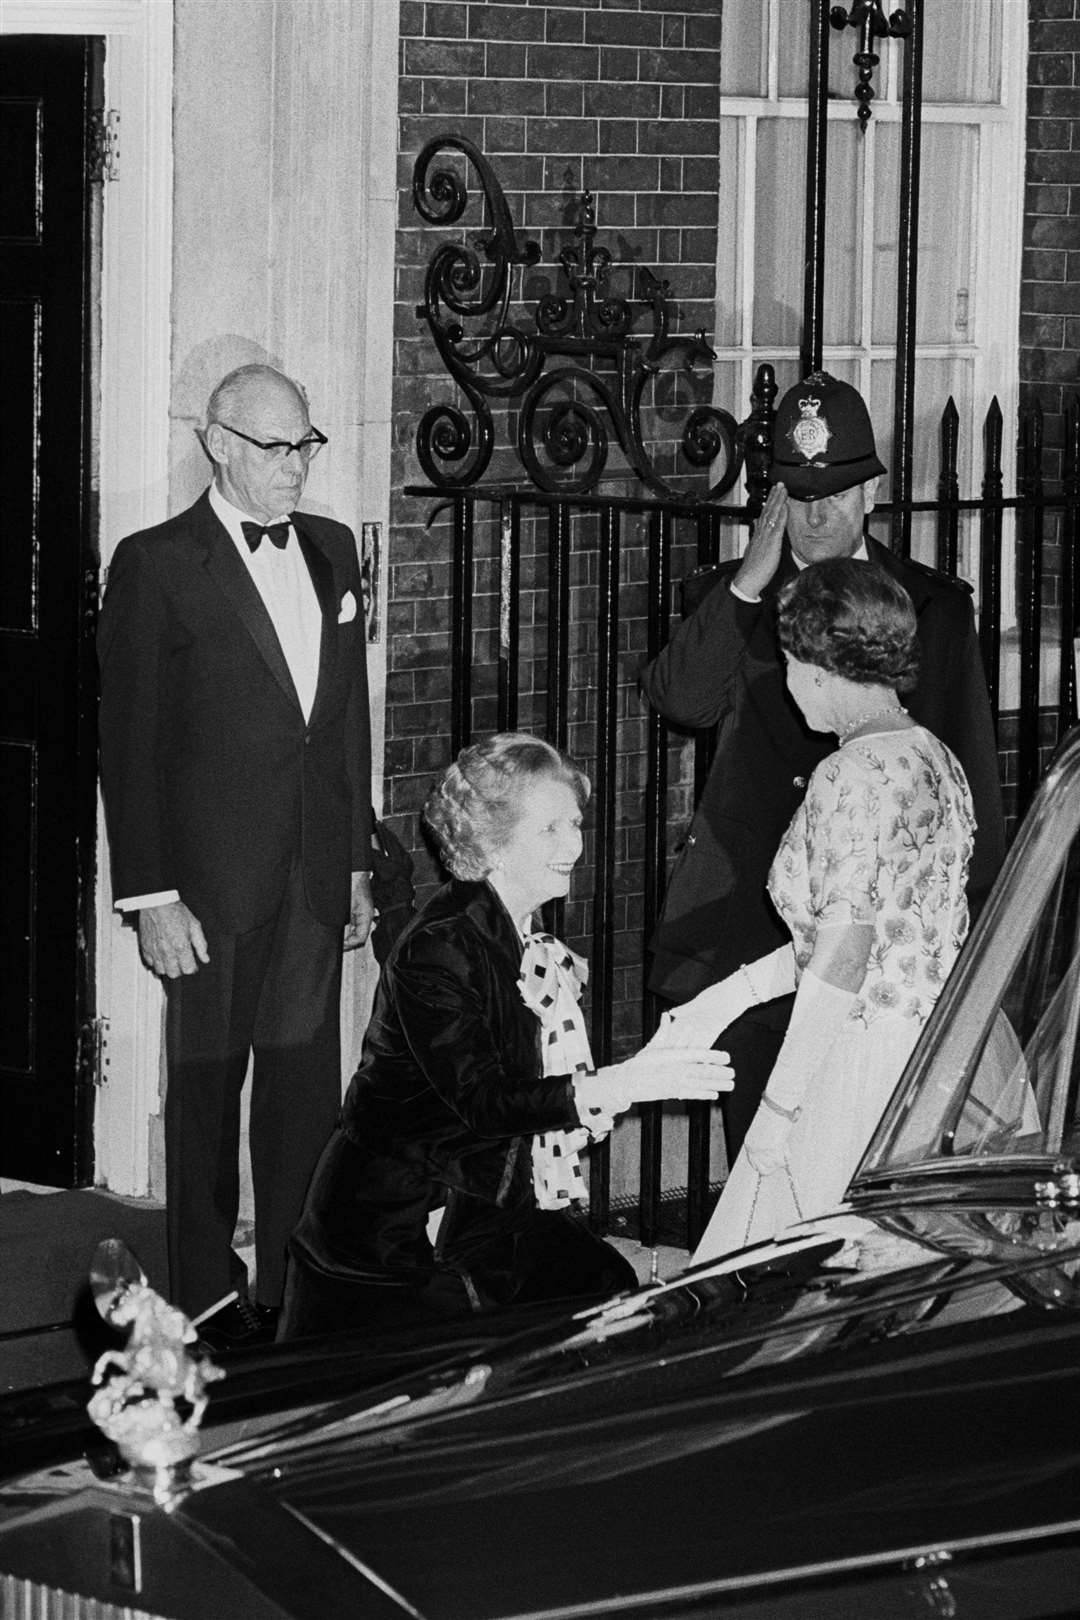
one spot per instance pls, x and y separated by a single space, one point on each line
253 533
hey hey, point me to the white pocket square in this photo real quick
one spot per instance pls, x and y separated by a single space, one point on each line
348 608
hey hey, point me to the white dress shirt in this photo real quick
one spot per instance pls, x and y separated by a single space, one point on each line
282 580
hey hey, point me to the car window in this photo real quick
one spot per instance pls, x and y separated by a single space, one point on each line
997 1072
1022 1093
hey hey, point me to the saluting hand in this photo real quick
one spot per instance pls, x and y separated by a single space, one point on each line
763 553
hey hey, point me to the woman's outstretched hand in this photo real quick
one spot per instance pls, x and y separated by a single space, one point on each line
699 1022
703 1020
696 1074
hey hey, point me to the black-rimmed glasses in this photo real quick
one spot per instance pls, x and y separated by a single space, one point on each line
277 449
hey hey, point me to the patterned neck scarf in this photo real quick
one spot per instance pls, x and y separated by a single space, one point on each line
552 979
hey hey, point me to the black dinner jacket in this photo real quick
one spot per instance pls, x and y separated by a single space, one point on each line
724 667
213 782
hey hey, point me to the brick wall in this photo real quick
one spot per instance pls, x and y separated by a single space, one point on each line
1050 287
621 101
1049 291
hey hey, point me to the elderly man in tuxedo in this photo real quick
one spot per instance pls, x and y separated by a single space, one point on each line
235 766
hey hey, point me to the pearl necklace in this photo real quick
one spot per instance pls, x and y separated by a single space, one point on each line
865 718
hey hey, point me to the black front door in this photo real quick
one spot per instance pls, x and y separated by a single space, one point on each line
48 573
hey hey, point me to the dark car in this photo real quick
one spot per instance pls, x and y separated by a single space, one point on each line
875 1415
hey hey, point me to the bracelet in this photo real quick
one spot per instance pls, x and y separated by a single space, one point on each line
788 1113
745 971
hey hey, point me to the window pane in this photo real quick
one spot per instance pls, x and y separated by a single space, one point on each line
949 156
794 63
936 381
843 232
729 325
944 313
788 373
728 391
962 51
794 50
778 255
844 368
744 58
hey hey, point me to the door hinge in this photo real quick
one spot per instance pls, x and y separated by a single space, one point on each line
94 1051
104 145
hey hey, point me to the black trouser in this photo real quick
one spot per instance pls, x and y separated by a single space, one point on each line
273 992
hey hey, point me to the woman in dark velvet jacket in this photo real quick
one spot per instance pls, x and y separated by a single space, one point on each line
475 1087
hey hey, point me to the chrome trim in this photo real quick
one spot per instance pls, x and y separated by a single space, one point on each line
351 1559
901 1557
29 1600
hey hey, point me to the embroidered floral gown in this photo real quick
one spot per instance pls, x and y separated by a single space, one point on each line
884 836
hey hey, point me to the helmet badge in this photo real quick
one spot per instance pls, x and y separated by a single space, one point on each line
811 433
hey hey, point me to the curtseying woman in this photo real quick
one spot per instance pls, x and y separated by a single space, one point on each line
476 1088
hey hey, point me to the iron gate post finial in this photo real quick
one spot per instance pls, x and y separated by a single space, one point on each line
868 17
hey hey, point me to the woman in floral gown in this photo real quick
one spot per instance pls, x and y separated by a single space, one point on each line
869 878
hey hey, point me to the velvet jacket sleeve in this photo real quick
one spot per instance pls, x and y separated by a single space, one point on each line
452 1053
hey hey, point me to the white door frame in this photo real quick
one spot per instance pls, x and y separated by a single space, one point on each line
133 461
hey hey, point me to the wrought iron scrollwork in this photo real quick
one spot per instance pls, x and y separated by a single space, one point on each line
500 362
606 375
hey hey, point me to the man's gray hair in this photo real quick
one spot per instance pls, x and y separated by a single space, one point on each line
228 394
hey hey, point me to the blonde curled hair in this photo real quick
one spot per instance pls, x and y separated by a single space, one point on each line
477 801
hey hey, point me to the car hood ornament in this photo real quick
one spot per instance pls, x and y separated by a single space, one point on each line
152 1394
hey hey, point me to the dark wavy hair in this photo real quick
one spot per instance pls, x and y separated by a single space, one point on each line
476 803
853 619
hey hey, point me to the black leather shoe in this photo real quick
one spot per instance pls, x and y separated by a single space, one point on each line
241 1325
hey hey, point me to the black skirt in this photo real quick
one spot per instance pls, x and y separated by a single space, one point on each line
360 1256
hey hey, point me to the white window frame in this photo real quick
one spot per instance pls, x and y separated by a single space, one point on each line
997 238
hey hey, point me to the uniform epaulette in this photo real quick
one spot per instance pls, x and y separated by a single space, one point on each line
937 576
697 585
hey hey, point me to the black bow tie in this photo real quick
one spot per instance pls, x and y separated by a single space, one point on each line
253 533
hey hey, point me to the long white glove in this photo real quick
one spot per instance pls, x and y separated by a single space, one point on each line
816 1021
699 1022
697 1074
